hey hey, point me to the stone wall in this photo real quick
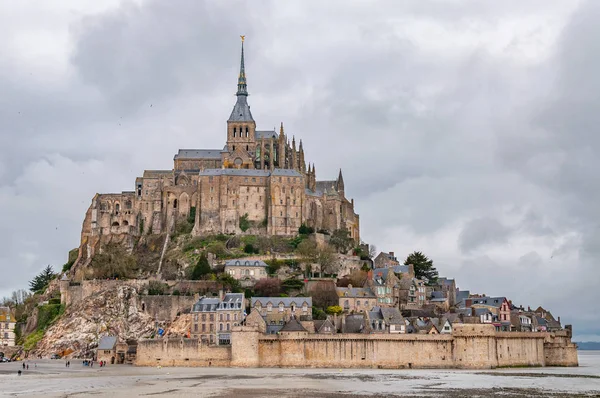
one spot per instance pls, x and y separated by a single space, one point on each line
181 352
470 346
166 308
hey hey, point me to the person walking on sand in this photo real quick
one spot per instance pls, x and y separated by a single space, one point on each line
27 366
23 365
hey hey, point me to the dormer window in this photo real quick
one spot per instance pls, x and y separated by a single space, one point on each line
281 307
269 307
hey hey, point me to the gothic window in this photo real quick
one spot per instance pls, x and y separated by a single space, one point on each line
246 131
117 208
234 131
175 204
247 148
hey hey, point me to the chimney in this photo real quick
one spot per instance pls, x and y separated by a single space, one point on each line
411 270
221 295
528 309
558 319
370 274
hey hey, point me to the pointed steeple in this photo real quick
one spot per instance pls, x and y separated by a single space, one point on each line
242 87
241 110
340 182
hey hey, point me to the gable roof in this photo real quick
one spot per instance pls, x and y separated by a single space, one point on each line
321 324
354 324
355 292
293 326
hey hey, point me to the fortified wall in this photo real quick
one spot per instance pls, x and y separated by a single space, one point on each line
470 346
160 307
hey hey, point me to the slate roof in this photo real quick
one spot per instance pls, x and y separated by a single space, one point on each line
491 301
286 172
206 304
198 154
235 172
355 292
287 301
391 315
107 343
319 324
380 275
438 295
293 326
327 186
232 301
266 134
354 324
401 269
481 311
241 111
156 173
461 295
245 263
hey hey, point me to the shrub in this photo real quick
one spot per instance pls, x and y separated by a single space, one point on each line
334 309
267 287
156 288
176 293
250 249
217 248
305 230
192 216
292 284
244 223
32 340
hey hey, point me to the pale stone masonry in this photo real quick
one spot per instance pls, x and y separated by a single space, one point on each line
469 346
7 327
258 183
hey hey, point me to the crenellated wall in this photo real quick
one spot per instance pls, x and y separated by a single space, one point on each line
470 346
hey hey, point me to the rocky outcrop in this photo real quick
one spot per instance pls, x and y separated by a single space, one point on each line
110 312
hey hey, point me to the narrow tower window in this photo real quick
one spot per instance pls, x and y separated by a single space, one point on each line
234 131
246 131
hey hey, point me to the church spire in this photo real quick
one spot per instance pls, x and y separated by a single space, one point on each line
242 87
241 110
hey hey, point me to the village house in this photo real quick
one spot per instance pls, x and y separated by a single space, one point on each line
285 307
386 320
520 322
440 300
405 271
213 318
499 306
246 271
448 288
7 327
552 325
385 260
384 283
411 293
356 299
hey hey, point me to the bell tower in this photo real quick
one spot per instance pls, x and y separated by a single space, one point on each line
241 127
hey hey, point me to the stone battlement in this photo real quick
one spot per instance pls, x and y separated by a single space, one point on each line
470 346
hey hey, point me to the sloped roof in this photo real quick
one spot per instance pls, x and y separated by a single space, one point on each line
354 323
392 315
206 304
107 343
245 263
320 324
401 269
198 154
265 134
241 111
293 326
287 301
355 292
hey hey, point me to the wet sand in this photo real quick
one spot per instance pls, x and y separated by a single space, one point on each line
53 379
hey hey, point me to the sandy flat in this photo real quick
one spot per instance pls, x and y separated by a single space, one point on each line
53 379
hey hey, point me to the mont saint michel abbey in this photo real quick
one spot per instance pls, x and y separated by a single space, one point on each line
259 176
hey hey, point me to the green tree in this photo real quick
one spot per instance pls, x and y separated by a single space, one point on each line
41 280
230 282
201 268
326 258
424 268
305 230
307 249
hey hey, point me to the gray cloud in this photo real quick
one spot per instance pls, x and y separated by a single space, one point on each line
464 129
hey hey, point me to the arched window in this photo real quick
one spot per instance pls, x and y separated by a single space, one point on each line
115 224
220 326
117 208
175 204
246 131
234 131
227 326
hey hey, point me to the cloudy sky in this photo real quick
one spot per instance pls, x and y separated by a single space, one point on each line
465 129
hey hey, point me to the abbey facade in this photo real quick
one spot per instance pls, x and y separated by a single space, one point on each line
257 183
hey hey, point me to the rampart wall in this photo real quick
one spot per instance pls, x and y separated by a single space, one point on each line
470 346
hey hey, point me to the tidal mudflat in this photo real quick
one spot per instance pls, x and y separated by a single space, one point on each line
48 378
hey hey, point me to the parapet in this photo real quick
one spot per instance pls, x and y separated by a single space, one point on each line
473 330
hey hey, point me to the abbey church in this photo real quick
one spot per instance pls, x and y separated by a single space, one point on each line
258 183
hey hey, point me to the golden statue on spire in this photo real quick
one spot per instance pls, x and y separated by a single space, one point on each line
243 37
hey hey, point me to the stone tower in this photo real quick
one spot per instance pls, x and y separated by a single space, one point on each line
241 127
